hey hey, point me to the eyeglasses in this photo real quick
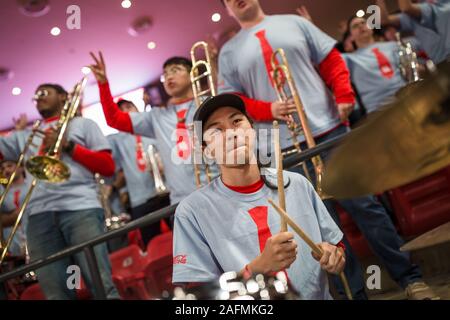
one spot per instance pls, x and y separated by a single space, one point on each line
171 71
40 94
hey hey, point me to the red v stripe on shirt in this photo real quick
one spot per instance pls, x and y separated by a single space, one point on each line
183 141
259 216
17 199
383 63
140 157
267 52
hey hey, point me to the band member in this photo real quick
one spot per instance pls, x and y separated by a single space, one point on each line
328 99
168 125
374 66
130 154
428 20
229 224
69 213
10 208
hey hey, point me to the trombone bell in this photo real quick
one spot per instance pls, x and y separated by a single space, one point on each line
48 169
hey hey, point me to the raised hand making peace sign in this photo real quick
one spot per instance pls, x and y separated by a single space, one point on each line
99 68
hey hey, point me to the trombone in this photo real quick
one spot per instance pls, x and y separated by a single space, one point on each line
112 221
197 77
4 246
48 167
282 75
153 164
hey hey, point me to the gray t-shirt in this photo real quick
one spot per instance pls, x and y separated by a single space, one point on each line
244 67
433 30
80 191
220 230
129 152
174 144
375 73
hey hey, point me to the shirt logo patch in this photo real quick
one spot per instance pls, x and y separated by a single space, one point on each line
180 259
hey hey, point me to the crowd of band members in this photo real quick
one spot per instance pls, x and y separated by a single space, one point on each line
339 83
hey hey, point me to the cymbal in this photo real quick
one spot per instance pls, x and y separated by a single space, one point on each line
406 140
434 237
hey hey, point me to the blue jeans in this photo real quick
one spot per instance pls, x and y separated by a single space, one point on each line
377 227
51 232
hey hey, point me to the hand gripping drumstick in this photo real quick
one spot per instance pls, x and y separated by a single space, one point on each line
315 248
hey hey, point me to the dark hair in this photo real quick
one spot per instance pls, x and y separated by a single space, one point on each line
123 101
178 60
349 21
58 88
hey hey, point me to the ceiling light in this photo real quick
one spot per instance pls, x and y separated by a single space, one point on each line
151 45
16 91
360 13
126 4
85 70
216 17
55 31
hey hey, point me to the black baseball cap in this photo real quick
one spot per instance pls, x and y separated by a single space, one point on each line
211 104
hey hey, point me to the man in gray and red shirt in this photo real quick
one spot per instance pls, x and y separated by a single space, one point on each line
68 213
130 153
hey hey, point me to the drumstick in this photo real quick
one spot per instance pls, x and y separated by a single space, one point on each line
280 178
314 247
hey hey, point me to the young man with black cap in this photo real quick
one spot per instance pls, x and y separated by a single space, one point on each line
242 233
68 213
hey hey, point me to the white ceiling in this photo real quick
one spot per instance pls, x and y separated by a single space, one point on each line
35 56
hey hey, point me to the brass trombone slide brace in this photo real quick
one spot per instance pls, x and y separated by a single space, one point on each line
198 91
281 76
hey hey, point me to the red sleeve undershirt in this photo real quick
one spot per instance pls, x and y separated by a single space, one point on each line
337 77
95 161
114 116
257 110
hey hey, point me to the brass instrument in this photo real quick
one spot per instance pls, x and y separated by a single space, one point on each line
408 62
8 185
153 163
197 88
3 180
112 221
281 76
48 167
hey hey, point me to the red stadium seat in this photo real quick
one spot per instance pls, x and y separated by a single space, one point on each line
422 205
159 264
34 292
128 266
135 238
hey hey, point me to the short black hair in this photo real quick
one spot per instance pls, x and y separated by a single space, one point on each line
178 60
123 101
58 88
